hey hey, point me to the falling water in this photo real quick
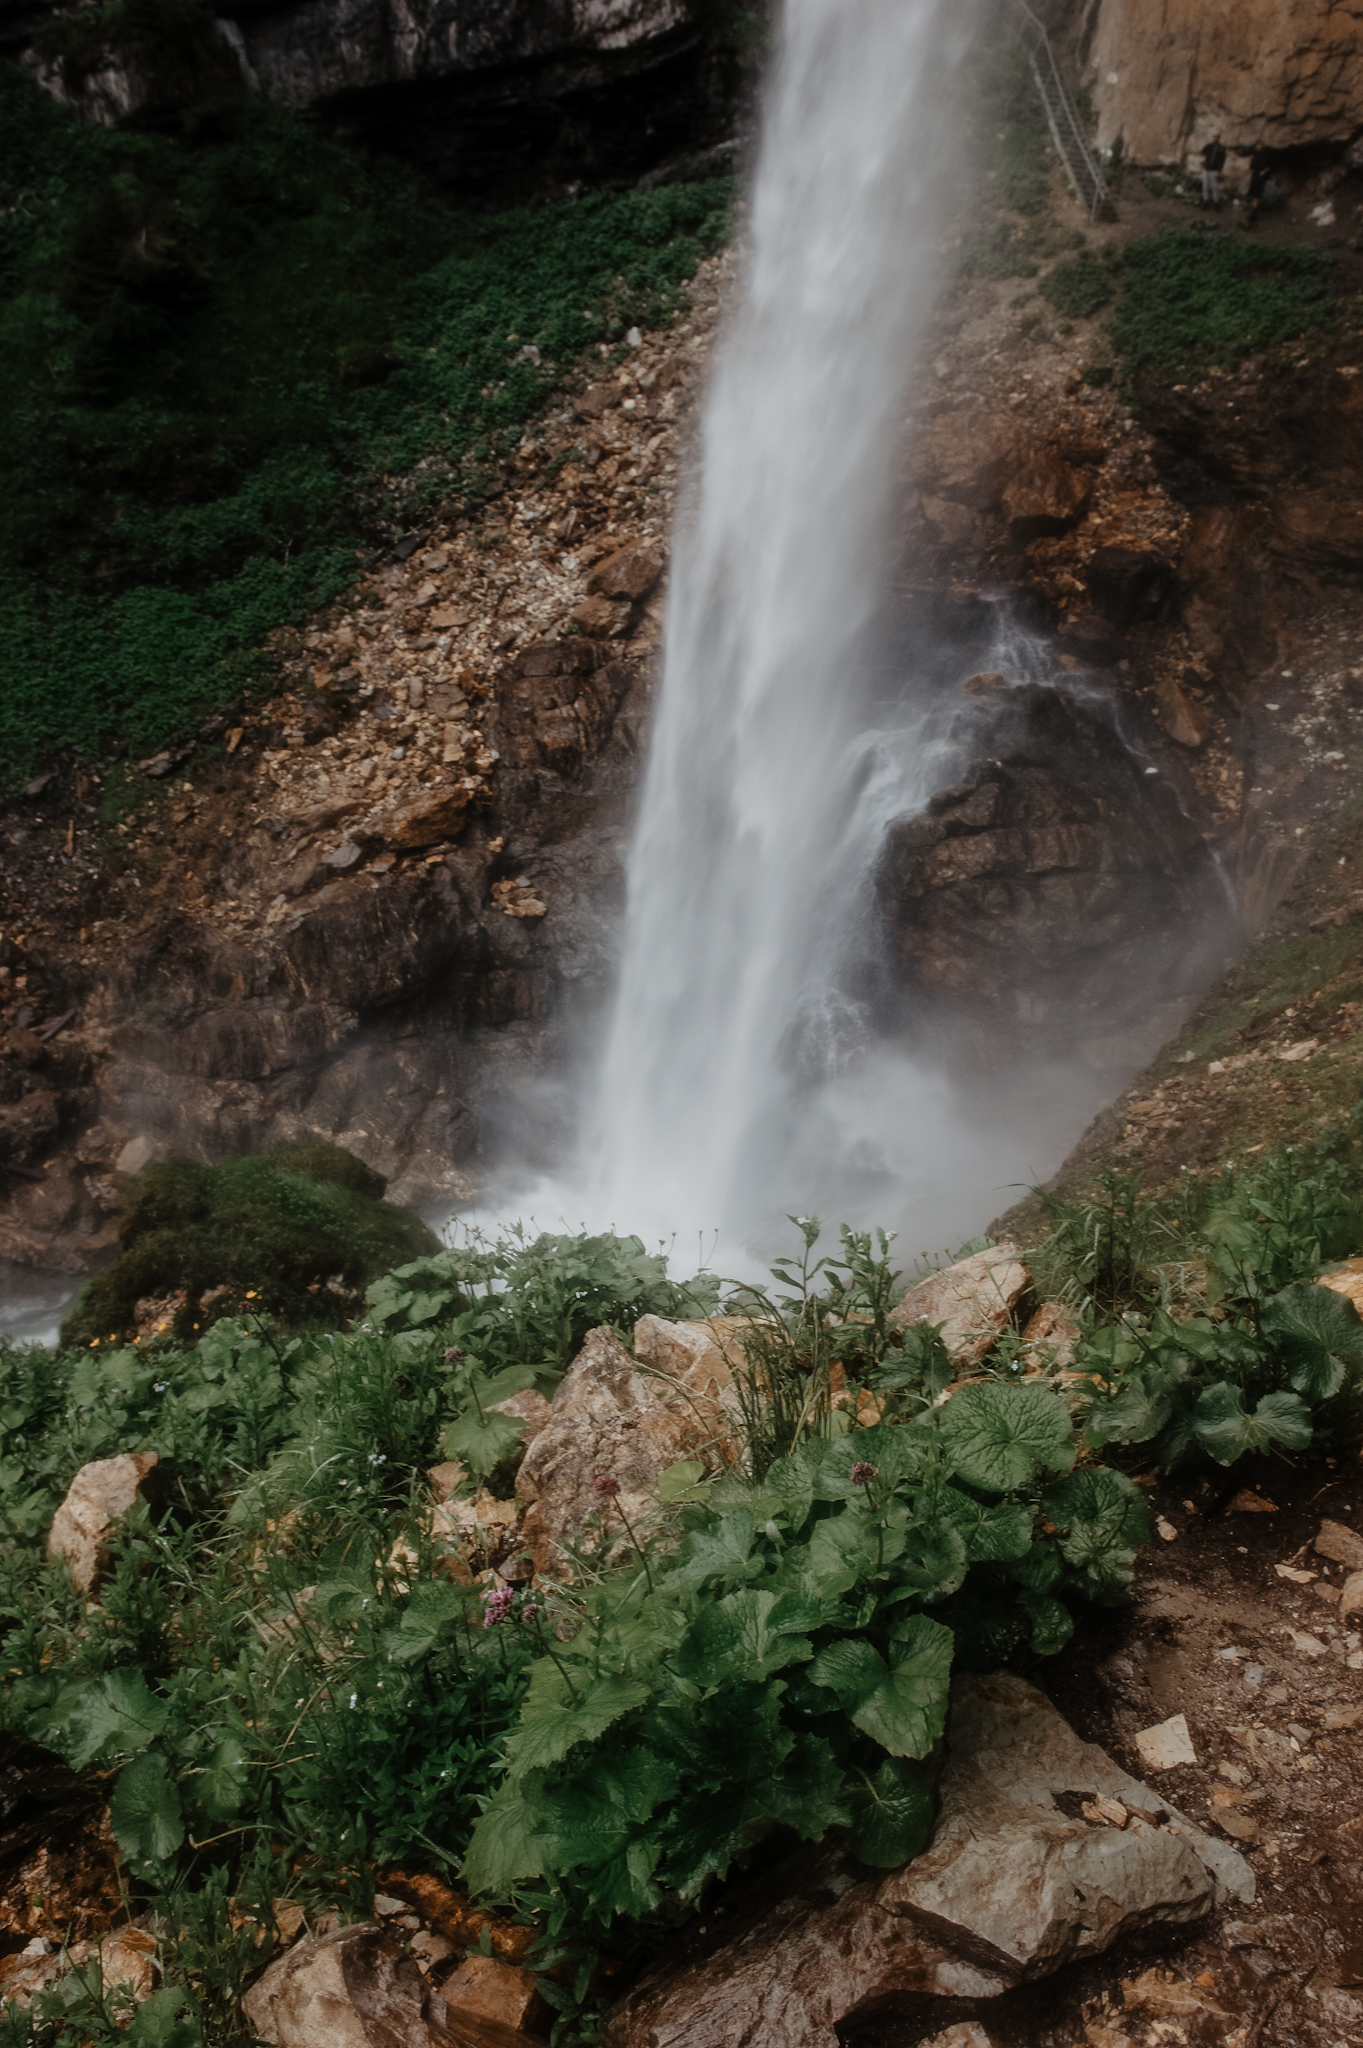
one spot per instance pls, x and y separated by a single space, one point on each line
752 832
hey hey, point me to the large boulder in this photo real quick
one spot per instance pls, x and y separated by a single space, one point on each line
359 1988
610 1421
1017 1883
972 1301
96 1501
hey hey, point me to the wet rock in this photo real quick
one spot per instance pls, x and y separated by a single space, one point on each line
96 1501
1128 586
1178 711
972 1301
1011 1889
483 1988
599 618
1027 897
607 1420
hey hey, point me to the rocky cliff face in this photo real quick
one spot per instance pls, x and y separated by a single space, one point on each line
1166 75
488 96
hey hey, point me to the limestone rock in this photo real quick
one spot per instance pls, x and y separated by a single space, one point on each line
425 820
698 1356
1049 1337
972 1301
1167 74
126 1957
1340 1544
607 1419
1348 1281
1011 1889
627 575
357 1988
97 1498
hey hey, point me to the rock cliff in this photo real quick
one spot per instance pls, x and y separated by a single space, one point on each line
488 96
1166 75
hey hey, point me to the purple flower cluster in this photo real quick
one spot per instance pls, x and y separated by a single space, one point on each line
498 1606
607 1483
862 1475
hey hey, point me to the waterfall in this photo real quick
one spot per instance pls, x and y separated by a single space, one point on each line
757 815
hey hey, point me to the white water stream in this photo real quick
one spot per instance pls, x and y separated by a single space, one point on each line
725 1062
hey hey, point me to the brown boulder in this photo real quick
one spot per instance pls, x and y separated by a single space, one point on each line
425 820
599 618
972 1301
607 1420
628 575
360 1989
96 1500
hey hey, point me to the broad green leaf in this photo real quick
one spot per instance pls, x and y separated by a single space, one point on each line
851 1546
511 1840
892 1452
934 1559
433 1604
117 1714
994 1534
902 1706
996 1436
225 1780
891 1813
481 1440
1136 1413
1320 1336
1103 1520
723 1551
1226 1432
682 1481
165 2020
550 1727
145 1811
733 1641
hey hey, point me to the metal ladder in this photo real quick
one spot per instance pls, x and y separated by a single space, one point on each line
1081 165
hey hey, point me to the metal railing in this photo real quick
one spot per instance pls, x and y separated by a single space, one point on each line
1081 165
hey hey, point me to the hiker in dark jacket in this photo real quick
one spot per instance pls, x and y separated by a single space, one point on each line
1260 168
1213 163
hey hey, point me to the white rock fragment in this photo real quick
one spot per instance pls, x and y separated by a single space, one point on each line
1167 1744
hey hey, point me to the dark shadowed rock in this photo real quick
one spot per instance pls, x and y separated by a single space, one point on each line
1011 1889
1038 891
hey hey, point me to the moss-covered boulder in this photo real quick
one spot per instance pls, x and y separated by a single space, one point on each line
302 1229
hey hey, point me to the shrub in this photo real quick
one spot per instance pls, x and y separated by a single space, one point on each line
215 350
1078 287
1197 300
282 1224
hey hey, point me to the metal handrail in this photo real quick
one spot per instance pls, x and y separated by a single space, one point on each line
1081 166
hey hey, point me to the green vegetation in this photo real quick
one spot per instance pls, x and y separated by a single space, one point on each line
1200 301
303 1227
1078 287
223 356
1200 1323
282 1688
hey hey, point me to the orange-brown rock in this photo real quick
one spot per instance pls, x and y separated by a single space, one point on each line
427 819
627 575
1166 75
96 1501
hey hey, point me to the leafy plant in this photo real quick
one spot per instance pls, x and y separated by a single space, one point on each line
789 1666
1105 1247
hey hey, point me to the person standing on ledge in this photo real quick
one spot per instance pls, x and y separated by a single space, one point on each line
1213 163
1259 168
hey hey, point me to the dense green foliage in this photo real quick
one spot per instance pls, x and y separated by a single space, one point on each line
1202 1330
1197 301
281 1686
218 349
790 1665
302 1228
1078 287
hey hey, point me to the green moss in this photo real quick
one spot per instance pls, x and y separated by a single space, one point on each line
217 350
1202 300
1289 971
279 1224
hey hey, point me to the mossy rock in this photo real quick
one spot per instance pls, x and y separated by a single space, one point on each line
278 1224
